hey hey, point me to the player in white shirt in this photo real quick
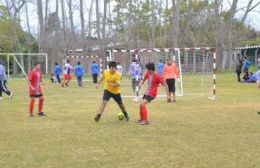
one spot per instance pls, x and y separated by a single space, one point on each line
119 69
67 68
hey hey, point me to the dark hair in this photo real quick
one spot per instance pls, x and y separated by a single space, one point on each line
94 62
68 60
112 64
150 66
78 63
56 63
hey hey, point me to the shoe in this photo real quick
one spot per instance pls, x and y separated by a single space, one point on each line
144 122
138 121
97 118
31 115
11 95
169 100
174 101
41 114
127 118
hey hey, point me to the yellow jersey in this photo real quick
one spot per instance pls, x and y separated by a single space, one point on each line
114 79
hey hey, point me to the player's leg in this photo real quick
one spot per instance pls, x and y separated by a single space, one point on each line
173 91
80 81
31 106
133 85
58 78
118 99
106 96
64 81
169 84
5 89
143 111
40 111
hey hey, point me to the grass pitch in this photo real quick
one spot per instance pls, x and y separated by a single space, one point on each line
194 132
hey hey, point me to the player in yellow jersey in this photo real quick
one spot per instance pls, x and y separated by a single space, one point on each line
111 78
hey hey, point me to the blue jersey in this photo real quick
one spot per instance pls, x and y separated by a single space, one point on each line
135 70
79 70
3 76
246 63
94 68
160 67
57 70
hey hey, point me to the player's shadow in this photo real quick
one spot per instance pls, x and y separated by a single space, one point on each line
258 112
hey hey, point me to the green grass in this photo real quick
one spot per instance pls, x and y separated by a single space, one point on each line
194 132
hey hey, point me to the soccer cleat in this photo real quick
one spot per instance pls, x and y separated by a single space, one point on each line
11 95
144 122
169 100
97 118
174 101
31 115
127 118
41 114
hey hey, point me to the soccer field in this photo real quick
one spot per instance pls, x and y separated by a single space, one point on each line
195 132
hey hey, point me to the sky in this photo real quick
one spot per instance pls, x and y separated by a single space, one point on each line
253 18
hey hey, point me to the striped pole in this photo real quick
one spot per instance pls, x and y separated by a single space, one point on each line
213 97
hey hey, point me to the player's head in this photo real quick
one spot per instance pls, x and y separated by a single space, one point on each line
37 66
112 66
68 60
94 62
169 61
56 63
133 60
150 66
78 63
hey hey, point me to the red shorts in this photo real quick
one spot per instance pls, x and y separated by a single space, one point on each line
67 76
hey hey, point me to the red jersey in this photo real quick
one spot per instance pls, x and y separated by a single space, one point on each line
35 78
153 82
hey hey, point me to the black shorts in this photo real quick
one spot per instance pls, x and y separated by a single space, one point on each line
36 96
148 98
117 97
171 85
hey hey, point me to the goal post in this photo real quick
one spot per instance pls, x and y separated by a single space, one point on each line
197 67
20 64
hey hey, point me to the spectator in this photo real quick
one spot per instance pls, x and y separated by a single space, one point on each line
246 64
94 71
239 69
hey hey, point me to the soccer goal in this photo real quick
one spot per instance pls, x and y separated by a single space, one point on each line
20 64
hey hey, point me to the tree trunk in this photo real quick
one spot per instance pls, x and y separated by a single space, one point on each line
89 19
98 21
176 22
41 25
82 23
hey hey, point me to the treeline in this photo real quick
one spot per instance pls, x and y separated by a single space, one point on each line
73 24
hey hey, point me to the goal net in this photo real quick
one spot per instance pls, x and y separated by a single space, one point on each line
196 67
18 65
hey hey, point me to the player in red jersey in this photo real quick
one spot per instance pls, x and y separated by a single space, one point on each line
154 80
35 77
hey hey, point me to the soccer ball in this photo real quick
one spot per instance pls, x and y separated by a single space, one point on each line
120 116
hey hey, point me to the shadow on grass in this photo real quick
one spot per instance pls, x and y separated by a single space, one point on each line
258 112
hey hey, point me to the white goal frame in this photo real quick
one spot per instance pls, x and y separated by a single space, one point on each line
19 64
